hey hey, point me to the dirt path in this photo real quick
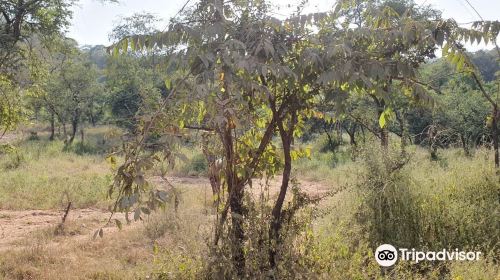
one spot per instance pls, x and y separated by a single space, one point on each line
17 225
309 187
8 138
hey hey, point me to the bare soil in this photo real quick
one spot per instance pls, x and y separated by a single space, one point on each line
18 225
15 226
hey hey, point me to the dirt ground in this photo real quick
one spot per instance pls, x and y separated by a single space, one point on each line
18 225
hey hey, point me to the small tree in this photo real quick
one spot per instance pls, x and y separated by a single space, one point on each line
247 77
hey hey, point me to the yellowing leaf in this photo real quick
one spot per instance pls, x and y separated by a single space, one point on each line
112 161
385 117
168 83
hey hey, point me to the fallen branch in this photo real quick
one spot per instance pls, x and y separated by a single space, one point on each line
60 227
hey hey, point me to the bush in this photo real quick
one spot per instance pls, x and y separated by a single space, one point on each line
198 164
389 211
454 206
14 160
293 258
195 164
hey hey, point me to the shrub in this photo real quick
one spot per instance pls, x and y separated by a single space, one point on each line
454 206
293 257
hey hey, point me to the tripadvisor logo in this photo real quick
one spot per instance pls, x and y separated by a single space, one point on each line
387 255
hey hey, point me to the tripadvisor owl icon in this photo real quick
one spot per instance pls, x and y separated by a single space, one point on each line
386 255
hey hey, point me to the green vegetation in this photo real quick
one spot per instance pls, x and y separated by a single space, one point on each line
233 144
43 174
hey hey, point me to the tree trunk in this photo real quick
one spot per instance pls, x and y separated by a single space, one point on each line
65 131
74 129
494 126
74 125
331 144
92 118
52 126
352 135
404 134
363 134
352 140
213 169
339 132
432 144
384 138
276 220
237 231
465 147
235 202
384 133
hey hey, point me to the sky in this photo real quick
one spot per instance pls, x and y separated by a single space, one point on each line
93 20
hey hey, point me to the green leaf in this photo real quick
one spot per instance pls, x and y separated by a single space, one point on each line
336 11
445 49
168 83
486 27
460 63
116 51
456 58
381 120
385 117
125 45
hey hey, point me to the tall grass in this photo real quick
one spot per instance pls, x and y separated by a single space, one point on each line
427 205
42 174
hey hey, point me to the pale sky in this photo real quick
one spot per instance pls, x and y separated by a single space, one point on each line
92 20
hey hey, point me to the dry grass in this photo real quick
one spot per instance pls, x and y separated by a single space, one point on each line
160 244
119 255
42 174
171 244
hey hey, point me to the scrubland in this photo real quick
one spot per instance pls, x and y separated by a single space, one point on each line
451 202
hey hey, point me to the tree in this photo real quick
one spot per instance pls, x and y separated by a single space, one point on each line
20 19
136 24
407 51
248 77
465 113
130 86
70 88
133 80
487 63
459 114
450 36
78 82
11 113
21 22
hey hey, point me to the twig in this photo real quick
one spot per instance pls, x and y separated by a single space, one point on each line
60 227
